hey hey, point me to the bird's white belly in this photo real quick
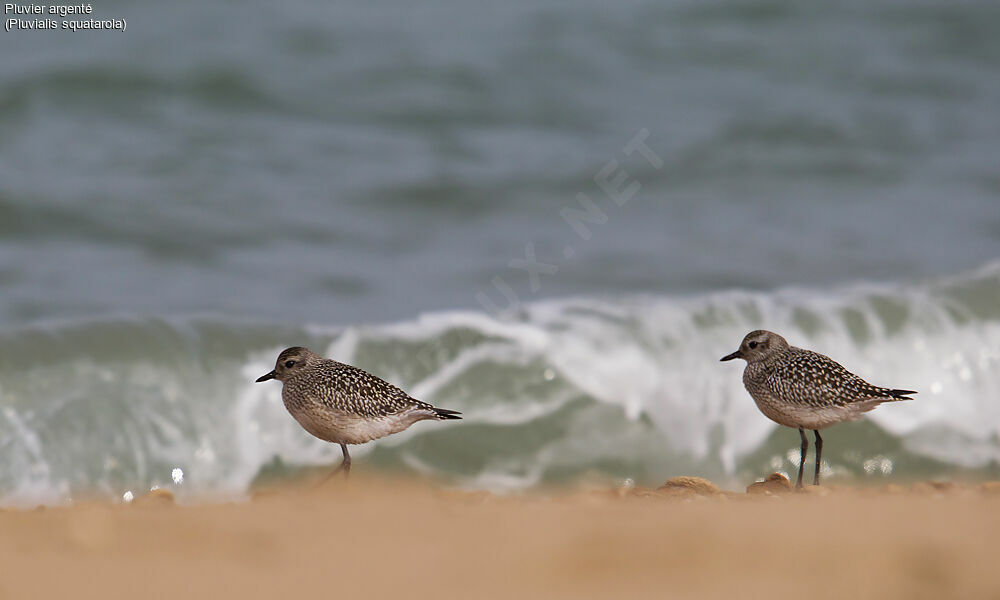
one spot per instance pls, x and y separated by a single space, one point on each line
800 415
342 427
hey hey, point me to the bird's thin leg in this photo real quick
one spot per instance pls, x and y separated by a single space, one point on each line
347 460
819 453
802 457
344 466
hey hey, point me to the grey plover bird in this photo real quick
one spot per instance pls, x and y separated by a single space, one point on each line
342 404
804 389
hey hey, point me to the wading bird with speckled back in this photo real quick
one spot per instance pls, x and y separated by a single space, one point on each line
342 404
804 389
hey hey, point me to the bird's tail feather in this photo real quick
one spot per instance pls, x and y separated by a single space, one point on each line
445 414
900 394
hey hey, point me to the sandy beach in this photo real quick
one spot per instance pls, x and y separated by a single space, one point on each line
386 539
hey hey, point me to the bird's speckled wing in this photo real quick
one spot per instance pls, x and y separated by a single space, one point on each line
812 379
353 390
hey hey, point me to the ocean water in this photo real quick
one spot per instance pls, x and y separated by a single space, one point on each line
552 216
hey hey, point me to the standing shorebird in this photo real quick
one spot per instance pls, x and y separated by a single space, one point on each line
804 389
342 404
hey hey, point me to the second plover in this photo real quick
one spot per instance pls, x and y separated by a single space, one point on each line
342 404
804 389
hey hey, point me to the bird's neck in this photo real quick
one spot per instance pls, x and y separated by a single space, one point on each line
762 368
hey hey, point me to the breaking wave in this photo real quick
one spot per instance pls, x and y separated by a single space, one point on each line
619 387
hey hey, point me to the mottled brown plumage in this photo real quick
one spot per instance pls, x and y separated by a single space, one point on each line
343 404
804 389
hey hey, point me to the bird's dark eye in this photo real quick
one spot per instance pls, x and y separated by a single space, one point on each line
289 364
752 345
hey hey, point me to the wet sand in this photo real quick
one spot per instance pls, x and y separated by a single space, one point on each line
384 539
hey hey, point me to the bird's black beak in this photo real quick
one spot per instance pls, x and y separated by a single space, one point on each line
730 356
266 377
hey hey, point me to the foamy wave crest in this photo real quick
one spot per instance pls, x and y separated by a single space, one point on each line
626 387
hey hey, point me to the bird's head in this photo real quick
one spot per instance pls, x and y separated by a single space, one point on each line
291 362
759 345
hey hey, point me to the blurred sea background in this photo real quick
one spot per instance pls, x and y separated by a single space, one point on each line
182 200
